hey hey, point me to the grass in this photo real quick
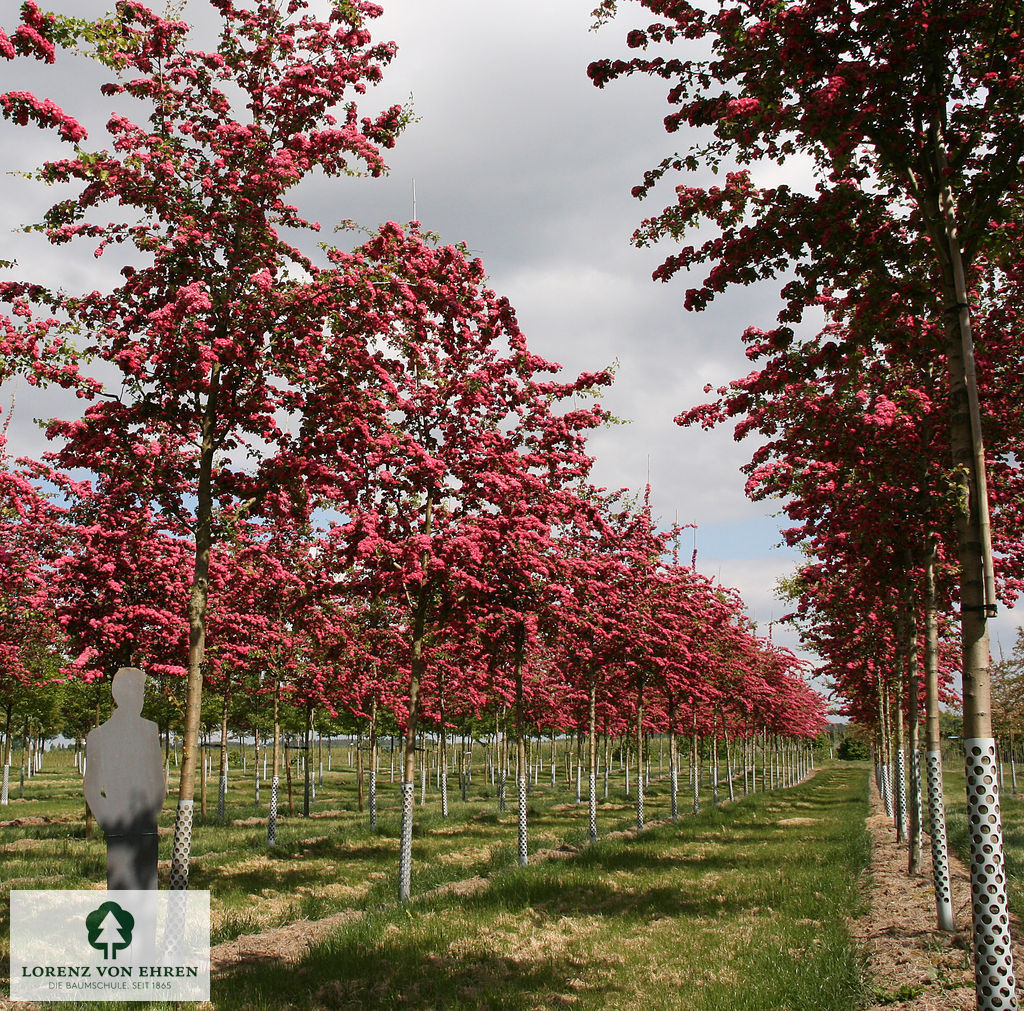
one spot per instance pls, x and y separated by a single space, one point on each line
1012 809
740 907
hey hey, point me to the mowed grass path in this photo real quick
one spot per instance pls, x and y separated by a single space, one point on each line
739 907
743 907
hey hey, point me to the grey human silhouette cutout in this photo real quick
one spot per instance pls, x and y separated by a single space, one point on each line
124 784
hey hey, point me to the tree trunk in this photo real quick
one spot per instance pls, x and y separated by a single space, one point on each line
288 780
196 612
222 781
695 764
359 770
256 759
900 764
373 766
933 757
409 763
202 776
908 632
883 729
520 742
673 759
307 736
728 758
592 756
714 763
275 762
993 954
640 755
442 765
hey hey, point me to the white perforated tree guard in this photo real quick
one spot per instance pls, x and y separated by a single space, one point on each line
5 790
993 954
673 776
639 803
915 778
901 795
522 821
182 846
373 799
222 796
592 812
408 789
272 816
886 790
940 852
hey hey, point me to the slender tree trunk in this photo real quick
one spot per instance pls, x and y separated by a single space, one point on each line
502 757
883 729
640 755
695 763
908 631
933 746
222 779
359 769
442 765
202 777
409 764
592 748
520 742
288 780
373 766
256 758
275 761
714 763
993 953
306 741
607 763
197 604
728 758
900 764
673 759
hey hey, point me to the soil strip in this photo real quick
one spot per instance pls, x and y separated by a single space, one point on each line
910 964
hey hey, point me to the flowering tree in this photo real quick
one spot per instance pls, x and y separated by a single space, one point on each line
469 436
215 343
911 117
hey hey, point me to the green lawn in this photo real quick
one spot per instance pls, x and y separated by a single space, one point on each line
1012 808
740 907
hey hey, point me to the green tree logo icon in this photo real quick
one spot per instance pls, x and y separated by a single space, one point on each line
110 928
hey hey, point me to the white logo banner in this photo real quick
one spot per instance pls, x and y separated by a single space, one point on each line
110 945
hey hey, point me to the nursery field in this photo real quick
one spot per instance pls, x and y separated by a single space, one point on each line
741 906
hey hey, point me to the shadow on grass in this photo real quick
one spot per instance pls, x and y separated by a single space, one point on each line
503 947
413 975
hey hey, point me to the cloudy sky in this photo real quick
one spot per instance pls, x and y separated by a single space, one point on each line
519 156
